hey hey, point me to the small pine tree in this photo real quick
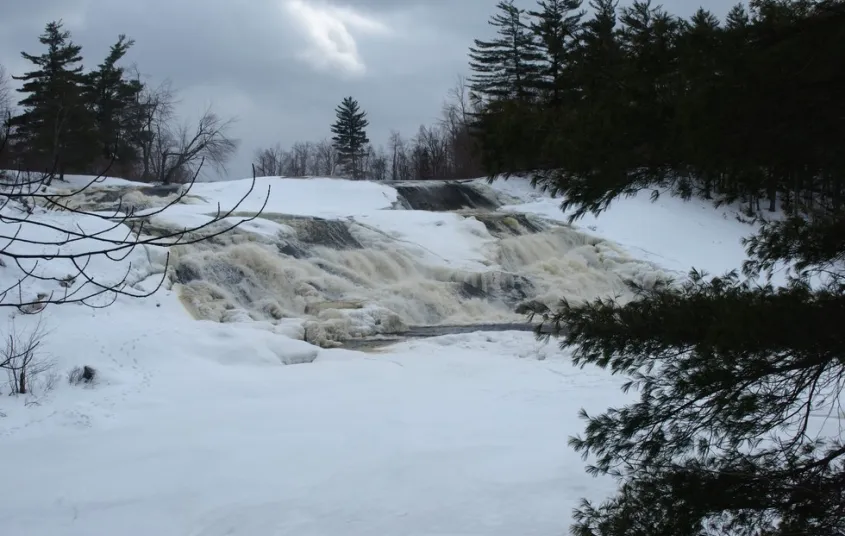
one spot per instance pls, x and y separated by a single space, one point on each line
56 128
350 137
507 66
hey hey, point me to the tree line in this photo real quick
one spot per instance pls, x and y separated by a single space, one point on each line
73 120
444 150
695 100
732 371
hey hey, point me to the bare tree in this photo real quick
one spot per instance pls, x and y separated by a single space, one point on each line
153 113
301 154
455 121
400 169
21 359
5 109
178 153
5 94
458 99
269 162
31 242
375 163
326 157
315 166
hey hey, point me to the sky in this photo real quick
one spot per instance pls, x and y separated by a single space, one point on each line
280 67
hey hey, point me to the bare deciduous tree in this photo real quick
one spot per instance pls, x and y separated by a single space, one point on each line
5 93
179 151
154 111
326 157
375 163
301 155
400 169
270 162
457 112
5 106
20 357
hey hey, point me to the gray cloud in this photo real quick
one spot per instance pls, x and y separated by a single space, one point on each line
281 66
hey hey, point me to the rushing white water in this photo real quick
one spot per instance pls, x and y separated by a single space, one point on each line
349 281
331 280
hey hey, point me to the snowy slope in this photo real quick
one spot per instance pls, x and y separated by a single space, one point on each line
197 427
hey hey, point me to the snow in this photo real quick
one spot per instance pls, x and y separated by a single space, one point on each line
442 238
202 428
325 198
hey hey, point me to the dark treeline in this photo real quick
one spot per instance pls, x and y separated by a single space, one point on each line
444 150
73 120
735 375
703 104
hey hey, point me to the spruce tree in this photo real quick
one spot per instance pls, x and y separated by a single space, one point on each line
56 127
506 67
113 99
350 137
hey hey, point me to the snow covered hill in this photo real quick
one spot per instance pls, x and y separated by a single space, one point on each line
195 426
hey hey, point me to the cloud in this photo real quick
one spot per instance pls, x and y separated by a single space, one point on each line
328 30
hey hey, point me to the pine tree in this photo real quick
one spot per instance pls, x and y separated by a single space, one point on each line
113 99
555 25
506 67
350 137
650 37
731 371
56 127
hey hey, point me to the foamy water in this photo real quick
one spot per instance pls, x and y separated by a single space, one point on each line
330 280
386 285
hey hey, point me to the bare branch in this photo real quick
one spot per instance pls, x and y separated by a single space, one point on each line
179 153
40 227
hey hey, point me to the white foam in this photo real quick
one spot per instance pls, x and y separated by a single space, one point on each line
388 285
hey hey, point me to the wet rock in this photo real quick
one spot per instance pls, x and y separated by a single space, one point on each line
291 250
468 290
443 196
510 224
327 233
185 272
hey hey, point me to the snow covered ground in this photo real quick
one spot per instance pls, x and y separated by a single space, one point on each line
198 428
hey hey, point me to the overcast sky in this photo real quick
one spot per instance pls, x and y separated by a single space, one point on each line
281 66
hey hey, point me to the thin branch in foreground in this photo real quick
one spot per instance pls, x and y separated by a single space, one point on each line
29 253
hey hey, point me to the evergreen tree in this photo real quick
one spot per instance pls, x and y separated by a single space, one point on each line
506 67
730 370
113 98
555 25
699 59
56 128
350 137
